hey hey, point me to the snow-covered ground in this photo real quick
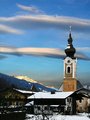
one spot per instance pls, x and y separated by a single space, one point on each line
59 117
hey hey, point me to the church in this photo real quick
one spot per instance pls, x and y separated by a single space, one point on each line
70 82
70 96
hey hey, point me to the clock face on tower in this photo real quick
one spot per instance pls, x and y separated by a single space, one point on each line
68 60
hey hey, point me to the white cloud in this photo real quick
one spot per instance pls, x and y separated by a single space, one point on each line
46 52
31 9
47 21
6 29
86 49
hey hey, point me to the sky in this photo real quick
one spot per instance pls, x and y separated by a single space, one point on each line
33 36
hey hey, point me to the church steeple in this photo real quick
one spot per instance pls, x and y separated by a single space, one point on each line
70 50
70 82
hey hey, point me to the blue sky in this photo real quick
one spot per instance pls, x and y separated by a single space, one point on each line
36 24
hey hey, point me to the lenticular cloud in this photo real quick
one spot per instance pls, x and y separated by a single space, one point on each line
46 21
44 52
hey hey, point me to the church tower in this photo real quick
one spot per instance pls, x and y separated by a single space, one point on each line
70 82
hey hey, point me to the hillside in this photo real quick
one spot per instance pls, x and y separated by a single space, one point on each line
10 81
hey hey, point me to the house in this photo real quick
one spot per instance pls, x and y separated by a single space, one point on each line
61 102
50 102
13 99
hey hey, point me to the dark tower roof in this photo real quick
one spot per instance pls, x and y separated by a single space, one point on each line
70 50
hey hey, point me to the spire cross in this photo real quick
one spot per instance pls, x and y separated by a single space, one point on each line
70 28
70 37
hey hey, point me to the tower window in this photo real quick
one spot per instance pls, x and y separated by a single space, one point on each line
69 69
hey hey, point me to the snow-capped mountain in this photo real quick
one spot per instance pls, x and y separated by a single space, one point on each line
10 81
21 77
35 85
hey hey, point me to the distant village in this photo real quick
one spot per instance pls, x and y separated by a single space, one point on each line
70 99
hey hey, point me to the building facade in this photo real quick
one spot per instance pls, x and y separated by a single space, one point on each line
49 103
12 99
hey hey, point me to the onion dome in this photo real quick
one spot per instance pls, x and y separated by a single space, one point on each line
70 50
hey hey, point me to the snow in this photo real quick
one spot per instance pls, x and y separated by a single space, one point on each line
29 104
49 95
21 77
59 117
24 91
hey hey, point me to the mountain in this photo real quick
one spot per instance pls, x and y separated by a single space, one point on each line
87 86
35 85
10 81
28 79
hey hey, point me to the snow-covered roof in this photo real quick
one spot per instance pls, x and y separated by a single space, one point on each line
29 104
49 95
24 91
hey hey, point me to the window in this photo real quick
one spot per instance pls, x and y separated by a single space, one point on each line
68 71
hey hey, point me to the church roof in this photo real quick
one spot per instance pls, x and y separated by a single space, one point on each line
70 50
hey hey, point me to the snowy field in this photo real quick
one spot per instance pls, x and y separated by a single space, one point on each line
59 117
